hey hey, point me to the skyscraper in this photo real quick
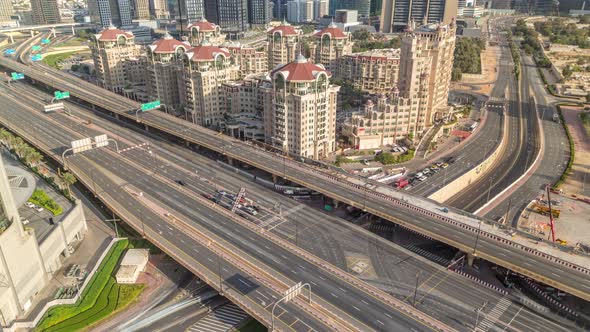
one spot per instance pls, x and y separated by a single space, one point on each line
105 13
5 10
362 6
230 15
141 9
45 12
396 15
192 10
259 12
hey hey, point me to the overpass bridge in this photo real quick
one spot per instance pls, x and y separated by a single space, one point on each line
44 27
473 235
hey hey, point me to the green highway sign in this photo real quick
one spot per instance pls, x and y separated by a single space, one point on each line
36 47
17 76
150 106
61 95
45 41
36 57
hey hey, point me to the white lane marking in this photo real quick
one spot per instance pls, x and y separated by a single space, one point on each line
365 302
380 322
510 322
356 308
334 295
388 315
266 297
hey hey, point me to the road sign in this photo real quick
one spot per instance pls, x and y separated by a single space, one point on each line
53 107
36 57
61 95
150 106
101 140
81 145
10 51
17 76
45 41
292 292
36 47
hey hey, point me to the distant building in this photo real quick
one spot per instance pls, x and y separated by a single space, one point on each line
320 8
205 69
374 71
363 7
191 10
105 13
6 11
282 44
141 10
204 30
331 44
230 15
248 59
300 11
303 116
397 15
45 12
259 12
159 9
164 58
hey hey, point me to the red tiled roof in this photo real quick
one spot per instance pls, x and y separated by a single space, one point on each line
333 32
202 25
285 30
301 70
112 34
206 53
168 45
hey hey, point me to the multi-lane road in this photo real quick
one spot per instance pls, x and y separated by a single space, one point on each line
327 237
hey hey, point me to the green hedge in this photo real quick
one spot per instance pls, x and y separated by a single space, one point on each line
41 198
570 161
387 158
91 296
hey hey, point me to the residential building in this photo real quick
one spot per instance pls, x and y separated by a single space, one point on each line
113 52
164 59
331 44
299 11
246 102
230 15
259 12
425 70
45 12
396 15
282 44
141 10
248 59
191 11
6 11
374 71
205 69
302 120
320 9
203 30
159 9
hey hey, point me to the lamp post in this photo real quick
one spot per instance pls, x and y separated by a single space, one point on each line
477 238
478 311
365 198
489 188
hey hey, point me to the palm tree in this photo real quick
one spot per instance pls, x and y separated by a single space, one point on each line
33 158
4 135
69 179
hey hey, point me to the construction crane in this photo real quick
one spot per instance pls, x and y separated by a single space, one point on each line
551 223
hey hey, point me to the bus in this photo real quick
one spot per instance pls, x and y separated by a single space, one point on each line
473 126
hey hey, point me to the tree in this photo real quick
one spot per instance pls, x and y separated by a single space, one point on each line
5 135
456 74
567 72
69 179
75 67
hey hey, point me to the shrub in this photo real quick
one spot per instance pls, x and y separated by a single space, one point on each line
41 198
387 158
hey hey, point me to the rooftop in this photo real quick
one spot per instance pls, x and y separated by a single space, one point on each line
333 31
379 53
202 25
284 29
301 70
205 52
111 34
135 257
168 45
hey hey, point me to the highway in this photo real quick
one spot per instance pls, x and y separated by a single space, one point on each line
456 234
117 178
327 237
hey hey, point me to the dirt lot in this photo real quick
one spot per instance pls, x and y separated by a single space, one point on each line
578 183
485 80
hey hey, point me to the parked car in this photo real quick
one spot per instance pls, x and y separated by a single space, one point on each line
439 164
422 178
29 204
426 171
180 182
444 165
38 208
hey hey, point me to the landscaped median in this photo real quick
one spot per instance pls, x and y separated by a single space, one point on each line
101 298
570 162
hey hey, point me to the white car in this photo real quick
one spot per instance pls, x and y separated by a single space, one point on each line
422 178
38 208
29 204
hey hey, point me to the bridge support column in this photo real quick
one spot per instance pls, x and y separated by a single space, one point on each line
146 128
117 116
470 259
32 33
230 161
11 39
53 32
73 31
187 144
336 203
274 178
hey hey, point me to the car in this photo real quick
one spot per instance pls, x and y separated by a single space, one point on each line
444 165
208 196
418 175
38 208
435 170
426 171
222 193
29 204
180 182
450 160
433 167
251 211
422 178
439 164
365 162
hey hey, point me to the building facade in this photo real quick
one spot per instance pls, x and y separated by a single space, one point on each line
105 13
141 9
203 30
45 12
6 11
205 68
363 7
397 15
299 11
374 71
303 116
259 12
114 53
191 10
164 61
331 44
320 9
248 59
230 15
282 44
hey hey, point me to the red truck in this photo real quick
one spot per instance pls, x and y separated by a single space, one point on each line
401 183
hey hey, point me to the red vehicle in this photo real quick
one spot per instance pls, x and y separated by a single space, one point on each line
401 183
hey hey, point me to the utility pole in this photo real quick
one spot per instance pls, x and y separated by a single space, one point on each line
478 311
416 289
477 238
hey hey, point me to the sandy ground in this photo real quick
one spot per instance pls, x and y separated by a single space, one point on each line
489 59
578 183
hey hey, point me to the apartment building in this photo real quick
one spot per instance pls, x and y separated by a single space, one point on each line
6 11
114 53
420 97
248 59
204 70
202 30
302 120
331 44
396 15
141 10
45 12
282 44
164 61
374 71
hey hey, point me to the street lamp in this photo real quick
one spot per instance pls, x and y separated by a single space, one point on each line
365 198
477 238
490 188
478 311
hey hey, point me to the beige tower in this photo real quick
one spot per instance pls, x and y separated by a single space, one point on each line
111 50
6 10
249 59
164 60
45 12
205 68
330 44
205 31
282 45
303 116
141 9
373 71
